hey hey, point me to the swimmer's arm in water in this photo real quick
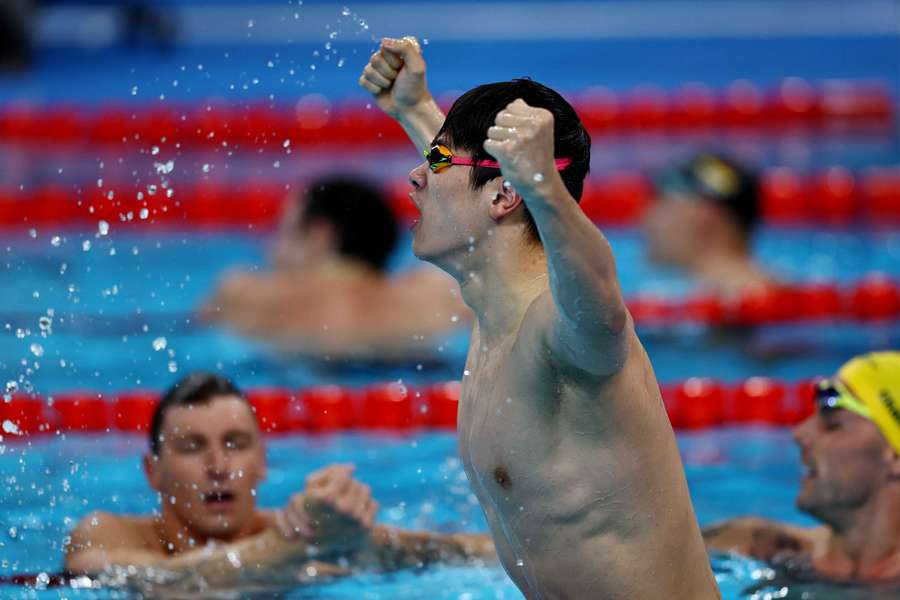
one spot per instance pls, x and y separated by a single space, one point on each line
393 548
759 538
395 76
103 541
585 321
330 519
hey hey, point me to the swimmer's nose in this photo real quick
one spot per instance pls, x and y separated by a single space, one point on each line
418 177
801 433
217 464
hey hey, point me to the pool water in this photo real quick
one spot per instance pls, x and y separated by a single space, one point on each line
108 304
51 483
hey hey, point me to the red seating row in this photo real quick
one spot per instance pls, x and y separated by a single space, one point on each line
692 404
874 298
313 120
832 197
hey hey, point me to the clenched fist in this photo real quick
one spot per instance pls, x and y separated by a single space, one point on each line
335 512
395 76
521 140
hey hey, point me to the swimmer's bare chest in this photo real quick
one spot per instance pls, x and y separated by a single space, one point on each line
535 469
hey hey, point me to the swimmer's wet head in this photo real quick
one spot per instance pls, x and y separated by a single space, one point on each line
455 203
206 459
851 444
709 194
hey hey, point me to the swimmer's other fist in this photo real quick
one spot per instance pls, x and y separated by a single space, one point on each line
335 512
521 140
395 76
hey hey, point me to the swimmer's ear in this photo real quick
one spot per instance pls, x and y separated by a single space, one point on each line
150 463
504 199
894 468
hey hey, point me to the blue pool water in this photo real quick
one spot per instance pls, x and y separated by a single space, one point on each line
131 287
419 481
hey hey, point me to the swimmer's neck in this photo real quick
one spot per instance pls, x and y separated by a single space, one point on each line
500 286
730 272
176 537
865 543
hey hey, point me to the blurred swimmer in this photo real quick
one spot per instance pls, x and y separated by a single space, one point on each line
851 450
561 427
703 220
328 294
206 460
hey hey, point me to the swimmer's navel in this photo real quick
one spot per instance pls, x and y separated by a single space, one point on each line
501 476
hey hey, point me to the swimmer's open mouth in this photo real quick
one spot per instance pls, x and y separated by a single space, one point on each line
218 497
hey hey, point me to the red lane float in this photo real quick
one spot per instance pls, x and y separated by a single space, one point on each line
833 197
696 403
313 120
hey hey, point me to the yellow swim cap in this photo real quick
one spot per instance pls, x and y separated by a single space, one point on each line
874 379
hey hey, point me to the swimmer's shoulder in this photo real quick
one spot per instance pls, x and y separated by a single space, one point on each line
101 536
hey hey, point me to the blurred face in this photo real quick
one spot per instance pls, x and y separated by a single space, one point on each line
211 461
453 215
674 230
847 462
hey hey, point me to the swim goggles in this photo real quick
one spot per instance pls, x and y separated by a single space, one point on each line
832 395
440 157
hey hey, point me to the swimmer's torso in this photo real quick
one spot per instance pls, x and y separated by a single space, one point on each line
581 483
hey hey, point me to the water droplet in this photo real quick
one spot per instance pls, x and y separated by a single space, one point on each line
12 387
507 185
37 350
32 233
45 323
206 168
154 150
55 241
159 344
250 23
103 227
164 168
287 143
144 213
538 177
520 562
151 189
100 182
86 245
134 90
276 164
173 367
345 12
270 64
13 532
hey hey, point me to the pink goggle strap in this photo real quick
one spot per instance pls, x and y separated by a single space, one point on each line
561 163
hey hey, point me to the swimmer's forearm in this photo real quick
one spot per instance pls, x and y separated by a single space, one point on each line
394 548
583 278
422 123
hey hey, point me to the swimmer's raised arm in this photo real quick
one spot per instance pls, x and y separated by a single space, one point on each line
395 76
585 321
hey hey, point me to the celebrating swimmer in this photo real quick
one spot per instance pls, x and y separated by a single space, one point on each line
562 429
851 449
206 459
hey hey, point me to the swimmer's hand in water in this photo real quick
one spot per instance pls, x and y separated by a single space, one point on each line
335 512
521 140
395 76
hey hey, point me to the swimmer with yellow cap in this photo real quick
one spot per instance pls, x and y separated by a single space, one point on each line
868 385
850 447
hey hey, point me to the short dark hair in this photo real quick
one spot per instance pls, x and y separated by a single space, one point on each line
196 388
362 220
466 125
